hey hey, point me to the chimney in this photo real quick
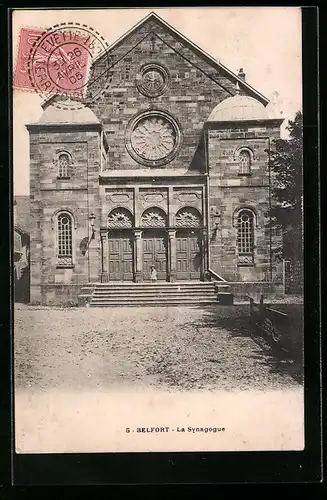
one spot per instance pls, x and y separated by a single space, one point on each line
241 74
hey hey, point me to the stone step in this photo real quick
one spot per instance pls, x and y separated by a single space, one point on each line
156 291
156 285
152 298
173 296
152 291
161 303
154 294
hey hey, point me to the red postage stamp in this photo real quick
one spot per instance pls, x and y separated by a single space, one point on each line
27 37
58 60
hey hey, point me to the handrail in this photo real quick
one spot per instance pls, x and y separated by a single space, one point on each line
219 278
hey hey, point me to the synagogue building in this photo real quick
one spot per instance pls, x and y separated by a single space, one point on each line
168 168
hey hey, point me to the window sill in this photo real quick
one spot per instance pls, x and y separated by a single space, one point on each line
245 265
58 266
63 178
244 175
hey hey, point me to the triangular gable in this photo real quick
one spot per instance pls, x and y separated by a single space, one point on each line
189 50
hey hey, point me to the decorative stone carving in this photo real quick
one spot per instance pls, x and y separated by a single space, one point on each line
153 217
153 138
65 261
245 259
152 80
187 197
151 197
188 218
119 198
120 219
119 195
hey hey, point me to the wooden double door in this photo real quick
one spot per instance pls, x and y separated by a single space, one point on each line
121 256
155 253
188 255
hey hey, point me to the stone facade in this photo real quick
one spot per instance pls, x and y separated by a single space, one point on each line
230 191
149 178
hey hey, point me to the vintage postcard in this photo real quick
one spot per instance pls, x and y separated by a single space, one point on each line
157 164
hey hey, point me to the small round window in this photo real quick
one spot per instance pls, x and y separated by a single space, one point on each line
152 80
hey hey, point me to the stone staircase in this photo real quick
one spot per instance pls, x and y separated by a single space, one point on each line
122 294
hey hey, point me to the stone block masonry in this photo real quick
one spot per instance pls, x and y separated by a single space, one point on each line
78 195
180 174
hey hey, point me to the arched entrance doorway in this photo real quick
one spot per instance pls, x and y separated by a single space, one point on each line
155 243
189 252
120 245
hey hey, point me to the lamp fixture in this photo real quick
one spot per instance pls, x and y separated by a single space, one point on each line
215 216
92 220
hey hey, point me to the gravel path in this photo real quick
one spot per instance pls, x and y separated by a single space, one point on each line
169 347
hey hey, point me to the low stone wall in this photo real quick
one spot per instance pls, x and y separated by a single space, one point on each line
242 290
283 328
59 294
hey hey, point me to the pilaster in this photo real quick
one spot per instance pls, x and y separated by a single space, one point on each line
204 260
138 256
172 255
104 256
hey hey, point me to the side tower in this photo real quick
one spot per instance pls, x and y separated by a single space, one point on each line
66 150
238 135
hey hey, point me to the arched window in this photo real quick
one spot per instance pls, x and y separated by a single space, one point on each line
65 239
245 161
245 237
63 166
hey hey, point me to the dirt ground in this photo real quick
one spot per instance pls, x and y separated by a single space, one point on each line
185 348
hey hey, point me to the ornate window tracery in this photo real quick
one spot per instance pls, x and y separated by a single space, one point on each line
120 218
152 80
153 217
64 239
63 166
245 237
244 161
188 217
153 138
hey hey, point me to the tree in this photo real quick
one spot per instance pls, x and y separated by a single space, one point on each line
286 163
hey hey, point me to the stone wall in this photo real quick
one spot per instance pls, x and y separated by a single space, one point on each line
170 197
230 191
78 195
194 88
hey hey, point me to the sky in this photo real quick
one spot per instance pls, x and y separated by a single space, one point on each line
264 41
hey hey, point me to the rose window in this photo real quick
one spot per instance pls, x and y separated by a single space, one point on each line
153 139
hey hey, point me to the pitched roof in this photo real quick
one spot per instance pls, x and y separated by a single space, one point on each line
202 53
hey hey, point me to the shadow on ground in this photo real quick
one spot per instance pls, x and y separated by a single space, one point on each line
236 319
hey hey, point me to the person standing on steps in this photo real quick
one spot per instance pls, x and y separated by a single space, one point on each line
153 274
